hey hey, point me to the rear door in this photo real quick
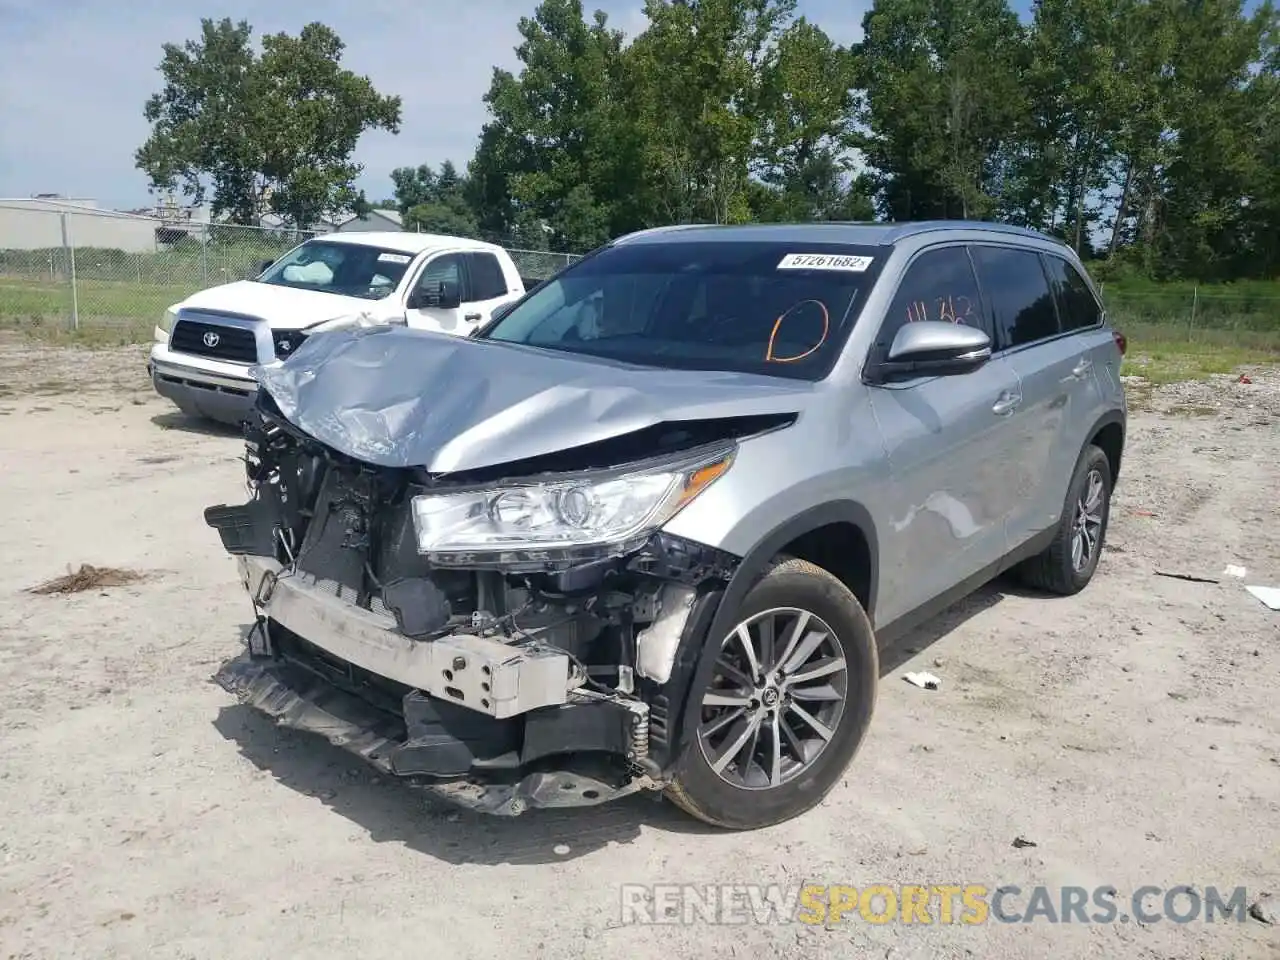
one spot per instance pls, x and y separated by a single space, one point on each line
1080 316
1055 377
950 458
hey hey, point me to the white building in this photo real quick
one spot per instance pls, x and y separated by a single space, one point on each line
28 223
374 220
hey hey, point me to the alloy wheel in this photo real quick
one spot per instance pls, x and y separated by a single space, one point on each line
775 699
1086 530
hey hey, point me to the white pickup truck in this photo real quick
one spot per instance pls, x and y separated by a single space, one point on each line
205 345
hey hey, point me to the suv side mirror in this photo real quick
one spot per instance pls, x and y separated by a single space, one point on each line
438 296
933 348
501 311
262 267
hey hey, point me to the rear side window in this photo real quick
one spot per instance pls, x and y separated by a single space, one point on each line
1015 285
487 281
1076 304
938 285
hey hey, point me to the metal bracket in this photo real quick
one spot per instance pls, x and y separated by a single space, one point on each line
266 587
259 640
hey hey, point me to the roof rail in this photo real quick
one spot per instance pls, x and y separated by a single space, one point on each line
668 228
898 231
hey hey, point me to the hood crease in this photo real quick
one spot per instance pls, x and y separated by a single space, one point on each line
395 397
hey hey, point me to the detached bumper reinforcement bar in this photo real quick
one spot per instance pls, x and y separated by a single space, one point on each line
498 679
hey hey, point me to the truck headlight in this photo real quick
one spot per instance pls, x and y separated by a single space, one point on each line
606 514
164 329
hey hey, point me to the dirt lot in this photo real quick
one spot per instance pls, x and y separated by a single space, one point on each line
1130 733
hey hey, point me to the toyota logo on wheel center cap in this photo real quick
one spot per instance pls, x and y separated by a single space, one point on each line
211 339
770 697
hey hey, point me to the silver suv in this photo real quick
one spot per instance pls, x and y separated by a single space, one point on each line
646 528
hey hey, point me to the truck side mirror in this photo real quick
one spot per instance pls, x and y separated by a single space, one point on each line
443 295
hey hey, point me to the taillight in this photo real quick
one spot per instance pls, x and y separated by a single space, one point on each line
1121 341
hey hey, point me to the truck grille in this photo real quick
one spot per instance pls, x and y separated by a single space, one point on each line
214 340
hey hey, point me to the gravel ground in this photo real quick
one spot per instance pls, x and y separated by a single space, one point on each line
1129 733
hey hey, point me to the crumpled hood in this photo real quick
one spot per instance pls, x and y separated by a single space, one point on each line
408 398
286 308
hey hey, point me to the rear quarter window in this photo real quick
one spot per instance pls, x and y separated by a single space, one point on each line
1077 306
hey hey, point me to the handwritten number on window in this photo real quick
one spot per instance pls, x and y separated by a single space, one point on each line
949 309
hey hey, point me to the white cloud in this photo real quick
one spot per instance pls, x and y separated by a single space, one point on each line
75 74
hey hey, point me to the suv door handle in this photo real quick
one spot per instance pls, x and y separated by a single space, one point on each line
472 318
1081 368
1006 404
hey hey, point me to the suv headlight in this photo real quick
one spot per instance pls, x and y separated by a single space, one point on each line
601 515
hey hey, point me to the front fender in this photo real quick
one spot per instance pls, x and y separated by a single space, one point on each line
713 615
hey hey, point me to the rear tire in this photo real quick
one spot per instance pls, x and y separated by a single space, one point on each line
796 723
1068 563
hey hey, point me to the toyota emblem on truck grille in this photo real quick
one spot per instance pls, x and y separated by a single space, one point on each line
211 339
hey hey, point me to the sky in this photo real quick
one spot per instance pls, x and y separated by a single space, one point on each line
74 75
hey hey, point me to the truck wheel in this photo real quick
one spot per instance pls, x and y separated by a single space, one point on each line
787 706
1067 564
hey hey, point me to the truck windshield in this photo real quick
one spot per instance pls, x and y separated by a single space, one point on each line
331 266
746 306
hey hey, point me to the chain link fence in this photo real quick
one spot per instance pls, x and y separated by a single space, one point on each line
71 266
1245 307
66 266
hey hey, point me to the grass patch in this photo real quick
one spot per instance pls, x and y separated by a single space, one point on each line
27 300
1165 354
94 333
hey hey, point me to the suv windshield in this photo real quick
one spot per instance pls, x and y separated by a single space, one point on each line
350 269
746 306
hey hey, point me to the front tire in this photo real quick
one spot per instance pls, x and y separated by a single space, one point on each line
788 704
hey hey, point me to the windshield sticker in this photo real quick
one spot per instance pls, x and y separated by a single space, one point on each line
393 258
825 261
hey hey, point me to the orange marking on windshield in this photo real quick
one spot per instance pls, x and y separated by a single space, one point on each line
777 325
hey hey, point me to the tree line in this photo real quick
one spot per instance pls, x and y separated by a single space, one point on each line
1145 132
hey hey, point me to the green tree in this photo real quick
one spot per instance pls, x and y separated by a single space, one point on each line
696 86
941 97
257 133
434 202
1217 163
803 131
555 148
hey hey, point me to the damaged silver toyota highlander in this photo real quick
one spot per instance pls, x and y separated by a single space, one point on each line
645 529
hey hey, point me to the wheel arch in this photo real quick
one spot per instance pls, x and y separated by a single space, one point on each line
1108 434
712 616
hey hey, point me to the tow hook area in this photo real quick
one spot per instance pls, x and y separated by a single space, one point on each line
540 791
301 701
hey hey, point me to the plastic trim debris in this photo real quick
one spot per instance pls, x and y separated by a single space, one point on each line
1270 596
925 681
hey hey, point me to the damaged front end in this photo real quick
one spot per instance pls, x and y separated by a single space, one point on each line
507 637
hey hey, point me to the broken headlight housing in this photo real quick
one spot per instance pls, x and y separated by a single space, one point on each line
593 516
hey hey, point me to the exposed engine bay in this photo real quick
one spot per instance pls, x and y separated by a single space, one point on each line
502 678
